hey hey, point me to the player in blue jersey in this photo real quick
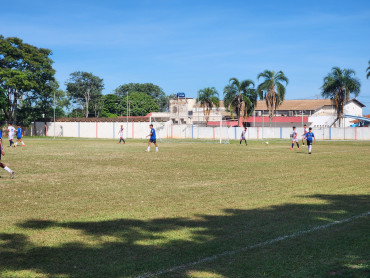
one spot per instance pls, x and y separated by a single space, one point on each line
309 138
152 139
19 136
2 165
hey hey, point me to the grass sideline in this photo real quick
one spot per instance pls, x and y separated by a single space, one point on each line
93 208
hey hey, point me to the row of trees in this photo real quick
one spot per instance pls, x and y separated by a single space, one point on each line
241 96
28 90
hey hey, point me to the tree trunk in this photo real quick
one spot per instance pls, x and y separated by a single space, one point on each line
87 99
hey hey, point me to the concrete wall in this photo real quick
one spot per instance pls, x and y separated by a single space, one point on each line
139 130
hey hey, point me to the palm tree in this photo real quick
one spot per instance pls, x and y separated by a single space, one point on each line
368 71
208 98
240 97
272 90
338 85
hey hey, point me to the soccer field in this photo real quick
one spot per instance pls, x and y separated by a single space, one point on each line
93 208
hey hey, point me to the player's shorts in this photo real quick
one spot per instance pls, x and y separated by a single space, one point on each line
242 138
153 141
19 137
10 138
309 142
304 137
295 140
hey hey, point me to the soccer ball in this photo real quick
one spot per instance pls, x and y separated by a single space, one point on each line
267 143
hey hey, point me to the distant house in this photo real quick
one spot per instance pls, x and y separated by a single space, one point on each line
315 112
312 112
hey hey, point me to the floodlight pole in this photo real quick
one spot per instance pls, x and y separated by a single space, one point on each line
127 116
54 114
263 117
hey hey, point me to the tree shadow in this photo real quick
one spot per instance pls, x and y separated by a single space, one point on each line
130 247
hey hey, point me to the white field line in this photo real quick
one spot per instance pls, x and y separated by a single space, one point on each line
262 244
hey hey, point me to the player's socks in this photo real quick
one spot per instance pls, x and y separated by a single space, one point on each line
297 145
240 142
156 149
309 148
292 145
23 144
6 168
246 142
148 150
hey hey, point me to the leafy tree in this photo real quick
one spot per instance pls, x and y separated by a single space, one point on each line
368 71
111 106
25 71
82 87
338 85
208 98
240 97
272 90
140 104
150 89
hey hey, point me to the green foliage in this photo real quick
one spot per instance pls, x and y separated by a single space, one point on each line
83 88
272 89
140 104
240 97
150 89
111 106
338 85
25 72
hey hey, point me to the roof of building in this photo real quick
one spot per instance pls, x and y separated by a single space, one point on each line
302 104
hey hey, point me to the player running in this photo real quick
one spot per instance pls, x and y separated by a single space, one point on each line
294 138
11 131
120 133
243 135
19 136
153 138
2 165
304 134
309 137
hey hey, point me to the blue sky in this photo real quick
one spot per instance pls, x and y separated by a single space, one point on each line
184 45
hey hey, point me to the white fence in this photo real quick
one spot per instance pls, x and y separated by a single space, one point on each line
139 130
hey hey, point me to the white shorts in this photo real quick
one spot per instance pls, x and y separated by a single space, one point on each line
295 140
11 138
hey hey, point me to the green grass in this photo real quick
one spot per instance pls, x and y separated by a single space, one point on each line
93 208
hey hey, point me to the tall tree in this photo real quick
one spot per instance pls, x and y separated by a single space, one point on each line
208 98
272 90
140 104
240 97
338 86
368 71
150 89
84 86
25 71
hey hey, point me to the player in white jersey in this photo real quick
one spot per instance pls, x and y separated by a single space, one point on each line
243 136
304 134
11 131
294 136
120 133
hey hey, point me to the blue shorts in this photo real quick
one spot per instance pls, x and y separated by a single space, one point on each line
19 137
153 141
309 142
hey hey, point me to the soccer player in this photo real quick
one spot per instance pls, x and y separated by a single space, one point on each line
304 134
120 132
2 165
19 136
242 136
153 138
309 136
294 138
11 130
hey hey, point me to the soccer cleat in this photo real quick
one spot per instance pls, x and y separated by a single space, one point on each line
290 148
309 153
12 174
298 148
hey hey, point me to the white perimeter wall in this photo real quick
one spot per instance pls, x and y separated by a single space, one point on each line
139 130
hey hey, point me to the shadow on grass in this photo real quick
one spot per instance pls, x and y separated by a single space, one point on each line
129 248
